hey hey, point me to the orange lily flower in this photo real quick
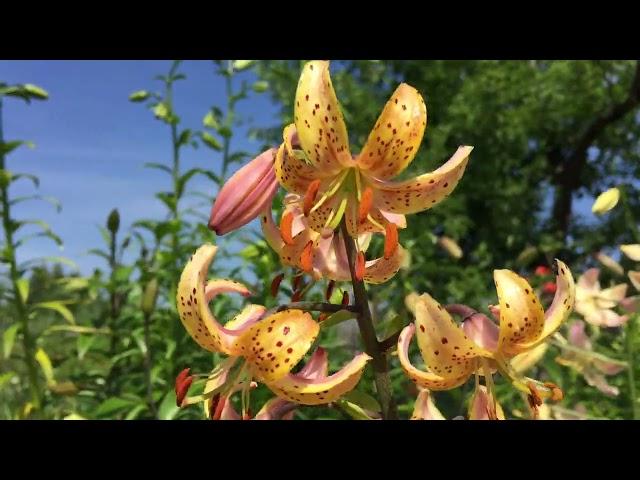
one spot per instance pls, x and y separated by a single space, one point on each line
315 161
270 346
453 353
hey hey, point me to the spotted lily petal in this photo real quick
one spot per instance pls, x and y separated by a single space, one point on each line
425 409
424 379
292 171
319 122
394 141
194 296
382 269
276 344
307 388
424 191
563 301
521 315
445 347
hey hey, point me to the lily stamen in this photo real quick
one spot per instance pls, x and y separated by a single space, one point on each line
286 228
310 196
306 257
390 239
366 202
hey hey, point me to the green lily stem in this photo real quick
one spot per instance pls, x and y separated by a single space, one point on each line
630 337
147 364
229 116
631 324
113 313
28 341
318 307
368 334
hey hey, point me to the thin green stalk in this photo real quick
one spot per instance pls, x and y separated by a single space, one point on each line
147 364
630 337
630 333
229 115
21 309
368 334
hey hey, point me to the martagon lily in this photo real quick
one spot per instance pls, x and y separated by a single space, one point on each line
596 304
453 353
270 346
325 255
315 162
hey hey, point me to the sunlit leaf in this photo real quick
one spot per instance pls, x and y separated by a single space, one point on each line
9 338
211 141
56 306
168 409
45 364
139 96
23 289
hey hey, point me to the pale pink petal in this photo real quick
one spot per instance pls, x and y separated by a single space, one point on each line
482 331
425 409
589 279
577 335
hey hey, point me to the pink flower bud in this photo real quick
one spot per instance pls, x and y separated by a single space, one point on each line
249 191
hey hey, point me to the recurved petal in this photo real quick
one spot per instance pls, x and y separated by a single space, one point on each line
292 171
383 269
317 367
194 296
276 344
422 192
395 139
445 347
271 231
317 390
521 315
425 409
424 379
319 122
563 301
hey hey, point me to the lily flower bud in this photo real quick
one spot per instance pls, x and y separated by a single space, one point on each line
249 191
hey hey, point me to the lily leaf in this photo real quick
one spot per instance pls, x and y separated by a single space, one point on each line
59 307
8 339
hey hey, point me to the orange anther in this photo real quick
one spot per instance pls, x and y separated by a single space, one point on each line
390 240
345 299
556 392
360 266
286 228
306 258
310 196
365 204
275 284
329 291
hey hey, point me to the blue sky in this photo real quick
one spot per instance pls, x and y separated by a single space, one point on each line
92 143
